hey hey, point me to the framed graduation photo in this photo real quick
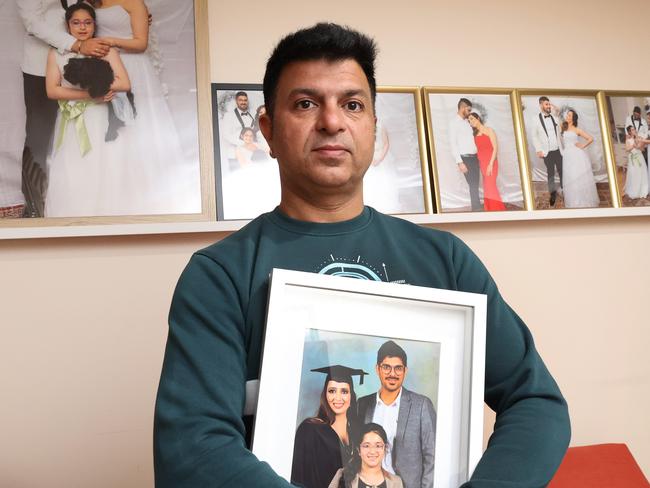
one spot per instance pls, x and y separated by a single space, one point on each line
247 177
375 377
475 150
123 139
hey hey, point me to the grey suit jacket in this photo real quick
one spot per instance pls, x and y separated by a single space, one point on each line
414 445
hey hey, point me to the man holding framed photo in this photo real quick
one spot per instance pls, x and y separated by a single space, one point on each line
319 90
408 418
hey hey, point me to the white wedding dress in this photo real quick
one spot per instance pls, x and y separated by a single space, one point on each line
579 186
78 184
636 181
156 177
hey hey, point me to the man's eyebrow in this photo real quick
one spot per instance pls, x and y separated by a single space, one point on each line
311 92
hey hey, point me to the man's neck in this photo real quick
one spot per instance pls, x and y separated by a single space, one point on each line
388 397
326 210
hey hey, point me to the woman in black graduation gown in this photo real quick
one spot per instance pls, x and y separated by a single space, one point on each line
324 443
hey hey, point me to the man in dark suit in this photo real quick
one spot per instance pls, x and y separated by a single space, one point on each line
408 418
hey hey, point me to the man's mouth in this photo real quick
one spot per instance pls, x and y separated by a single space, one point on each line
331 150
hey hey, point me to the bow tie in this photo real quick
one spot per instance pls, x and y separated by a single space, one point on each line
246 113
547 116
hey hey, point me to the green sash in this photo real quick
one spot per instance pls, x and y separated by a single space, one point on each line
74 111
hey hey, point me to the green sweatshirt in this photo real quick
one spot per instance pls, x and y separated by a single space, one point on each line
215 340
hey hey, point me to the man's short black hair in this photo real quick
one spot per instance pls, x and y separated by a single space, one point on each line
543 99
391 349
326 41
636 110
464 101
241 94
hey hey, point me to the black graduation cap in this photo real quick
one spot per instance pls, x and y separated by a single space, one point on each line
342 374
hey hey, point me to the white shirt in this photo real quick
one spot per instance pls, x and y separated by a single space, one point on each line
230 129
44 22
639 125
386 416
550 131
461 138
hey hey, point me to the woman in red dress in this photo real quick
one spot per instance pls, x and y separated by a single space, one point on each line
487 148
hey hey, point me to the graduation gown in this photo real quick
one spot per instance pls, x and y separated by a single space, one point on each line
318 453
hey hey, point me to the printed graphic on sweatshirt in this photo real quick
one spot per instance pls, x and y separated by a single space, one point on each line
355 267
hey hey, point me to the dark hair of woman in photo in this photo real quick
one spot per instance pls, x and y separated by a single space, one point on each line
365 466
324 443
574 120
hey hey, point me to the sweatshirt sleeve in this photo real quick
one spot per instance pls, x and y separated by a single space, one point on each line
198 426
532 429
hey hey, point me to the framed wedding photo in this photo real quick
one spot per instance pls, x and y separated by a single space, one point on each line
566 149
628 120
475 151
246 176
397 181
333 344
142 157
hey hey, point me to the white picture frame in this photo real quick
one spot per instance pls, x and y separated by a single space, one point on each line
300 303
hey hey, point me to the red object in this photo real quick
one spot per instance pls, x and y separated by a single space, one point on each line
599 466
491 196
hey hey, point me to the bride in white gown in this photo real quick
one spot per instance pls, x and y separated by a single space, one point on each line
157 178
579 186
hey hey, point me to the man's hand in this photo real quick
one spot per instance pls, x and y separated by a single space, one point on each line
462 168
95 46
540 154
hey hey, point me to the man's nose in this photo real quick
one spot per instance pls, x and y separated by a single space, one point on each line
331 118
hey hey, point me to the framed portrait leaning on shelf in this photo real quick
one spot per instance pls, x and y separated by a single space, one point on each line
334 345
246 176
142 156
248 184
475 151
628 121
397 181
566 149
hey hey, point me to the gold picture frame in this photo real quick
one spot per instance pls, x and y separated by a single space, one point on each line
615 112
407 166
592 119
455 192
204 179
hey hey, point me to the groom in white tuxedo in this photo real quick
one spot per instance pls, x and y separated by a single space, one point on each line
546 141
44 22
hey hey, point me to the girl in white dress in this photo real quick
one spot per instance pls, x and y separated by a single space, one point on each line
578 178
159 178
636 181
78 163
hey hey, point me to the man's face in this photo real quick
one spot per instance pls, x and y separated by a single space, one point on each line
465 110
545 106
391 372
636 115
242 103
323 127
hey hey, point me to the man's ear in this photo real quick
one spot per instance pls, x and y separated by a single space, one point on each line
266 126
